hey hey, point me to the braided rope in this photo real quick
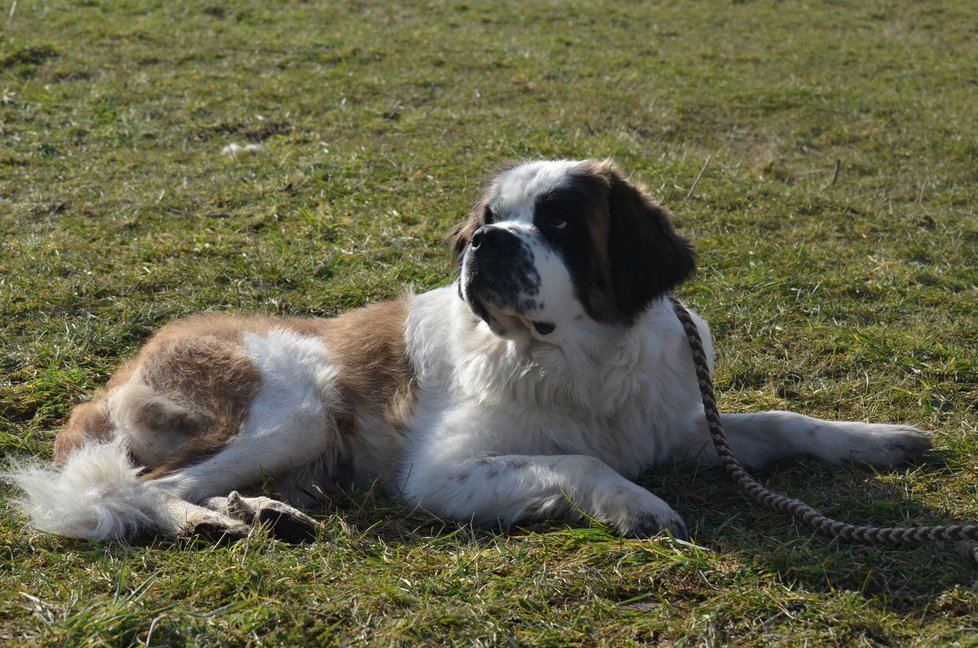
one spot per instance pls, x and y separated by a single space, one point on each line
967 535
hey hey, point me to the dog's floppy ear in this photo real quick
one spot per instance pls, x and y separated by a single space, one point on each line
648 258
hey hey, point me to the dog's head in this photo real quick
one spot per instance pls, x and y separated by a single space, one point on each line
554 243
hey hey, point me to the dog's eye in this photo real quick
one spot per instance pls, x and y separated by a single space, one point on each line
557 222
488 216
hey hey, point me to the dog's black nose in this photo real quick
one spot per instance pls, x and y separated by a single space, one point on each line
495 239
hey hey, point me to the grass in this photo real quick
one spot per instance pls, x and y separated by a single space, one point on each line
376 123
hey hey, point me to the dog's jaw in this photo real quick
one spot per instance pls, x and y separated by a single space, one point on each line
506 323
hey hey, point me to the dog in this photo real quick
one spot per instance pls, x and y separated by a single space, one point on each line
539 384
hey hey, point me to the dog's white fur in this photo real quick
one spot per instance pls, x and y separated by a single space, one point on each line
519 396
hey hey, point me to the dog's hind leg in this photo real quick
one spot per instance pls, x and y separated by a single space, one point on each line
246 460
97 494
283 522
289 422
252 456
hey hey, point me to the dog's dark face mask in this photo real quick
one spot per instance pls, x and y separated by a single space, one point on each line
552 243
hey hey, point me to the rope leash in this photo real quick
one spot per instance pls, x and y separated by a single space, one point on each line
966 535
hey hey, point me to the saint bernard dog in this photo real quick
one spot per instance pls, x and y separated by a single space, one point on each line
539 384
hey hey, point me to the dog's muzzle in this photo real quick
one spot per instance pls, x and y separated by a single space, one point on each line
500 279
499 269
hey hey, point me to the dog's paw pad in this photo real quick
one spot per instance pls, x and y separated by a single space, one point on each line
288 524
218 532
284 522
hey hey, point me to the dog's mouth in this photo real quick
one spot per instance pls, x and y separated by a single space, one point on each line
544 328
502 321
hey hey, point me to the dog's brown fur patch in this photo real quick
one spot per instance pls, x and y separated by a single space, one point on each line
369 344
377 380
191 387
88 422
207 385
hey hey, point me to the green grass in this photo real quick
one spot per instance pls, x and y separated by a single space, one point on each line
853 299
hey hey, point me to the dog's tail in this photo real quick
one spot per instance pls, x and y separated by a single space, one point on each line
95 495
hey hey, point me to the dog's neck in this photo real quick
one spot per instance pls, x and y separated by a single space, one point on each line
538 373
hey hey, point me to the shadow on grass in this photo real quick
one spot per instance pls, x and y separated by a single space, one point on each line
723 519
733 535
733 529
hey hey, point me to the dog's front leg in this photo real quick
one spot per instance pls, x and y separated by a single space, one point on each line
505 489
760 438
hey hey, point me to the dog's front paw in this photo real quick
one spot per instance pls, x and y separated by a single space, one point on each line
888 446
646 516
648 525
